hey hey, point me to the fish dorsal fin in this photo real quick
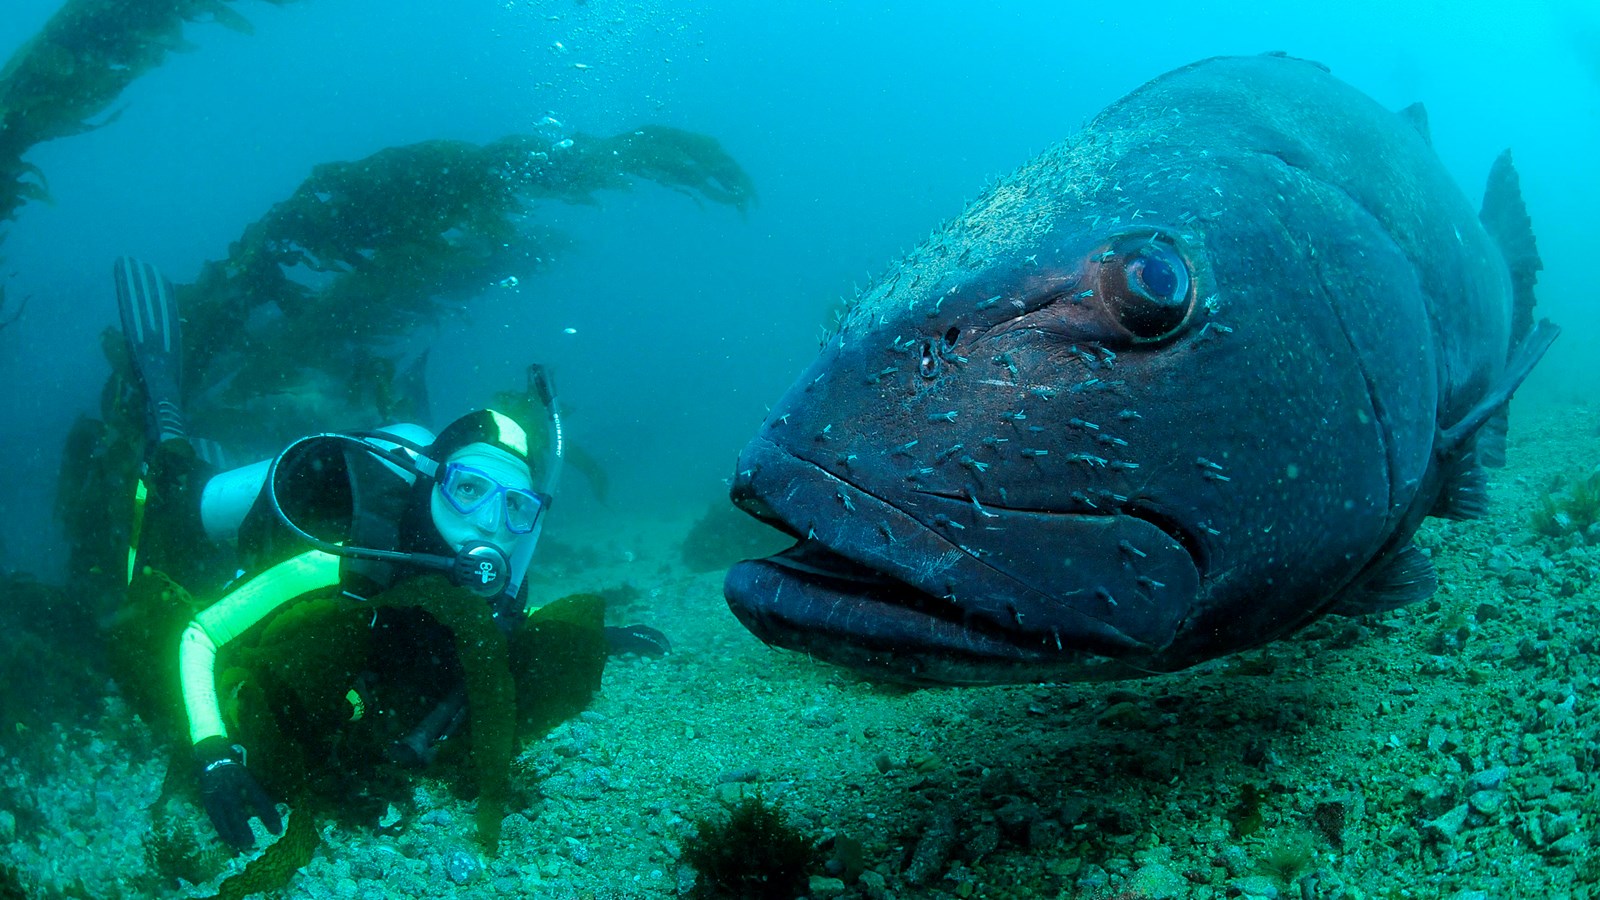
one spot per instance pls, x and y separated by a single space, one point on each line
1505 217
1416 115
1402 577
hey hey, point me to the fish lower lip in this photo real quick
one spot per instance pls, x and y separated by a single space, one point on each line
823 604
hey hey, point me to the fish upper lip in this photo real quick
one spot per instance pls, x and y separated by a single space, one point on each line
998 604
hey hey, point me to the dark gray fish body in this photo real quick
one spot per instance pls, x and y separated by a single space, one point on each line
1175 388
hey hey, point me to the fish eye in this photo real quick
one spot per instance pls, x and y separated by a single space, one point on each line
1155 300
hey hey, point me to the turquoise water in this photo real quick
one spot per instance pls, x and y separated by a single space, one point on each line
862 127
673 324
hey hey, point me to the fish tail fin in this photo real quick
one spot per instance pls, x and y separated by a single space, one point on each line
1505 217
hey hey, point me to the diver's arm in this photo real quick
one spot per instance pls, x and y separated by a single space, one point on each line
231 616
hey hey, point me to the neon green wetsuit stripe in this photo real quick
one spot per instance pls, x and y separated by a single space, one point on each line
230 617
139 494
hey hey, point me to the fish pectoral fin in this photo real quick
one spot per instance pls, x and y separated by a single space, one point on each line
1466 493
1400 578
1451 441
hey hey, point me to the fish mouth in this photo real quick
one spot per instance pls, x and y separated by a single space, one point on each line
811 599
871 586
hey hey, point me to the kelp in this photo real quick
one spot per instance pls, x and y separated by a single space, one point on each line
491 693
279 862
67 75
314 298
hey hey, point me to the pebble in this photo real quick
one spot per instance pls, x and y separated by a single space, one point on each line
462 867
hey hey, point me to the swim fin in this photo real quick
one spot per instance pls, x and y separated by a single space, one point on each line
150 324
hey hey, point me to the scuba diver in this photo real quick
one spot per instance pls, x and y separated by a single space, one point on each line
333 515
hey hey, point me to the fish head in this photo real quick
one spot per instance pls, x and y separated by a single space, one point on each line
1091 429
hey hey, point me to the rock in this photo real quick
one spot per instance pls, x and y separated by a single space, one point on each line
874 885
1017 816
1488 779
1256 886
818 717
933 850
983 840
1126 715
1232 858
462 867
824 888
1572 844
1487 803
1044 833
1158 882
1446 827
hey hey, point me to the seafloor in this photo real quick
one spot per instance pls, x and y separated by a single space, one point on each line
1446 750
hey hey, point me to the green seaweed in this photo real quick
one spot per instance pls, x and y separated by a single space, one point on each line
61 80
1245 816
1287 856
279 862
1569 506
315 295
491 692
557 659
752 853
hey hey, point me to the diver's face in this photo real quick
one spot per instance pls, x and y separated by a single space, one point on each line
476 511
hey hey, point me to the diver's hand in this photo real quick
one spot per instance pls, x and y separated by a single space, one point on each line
231 795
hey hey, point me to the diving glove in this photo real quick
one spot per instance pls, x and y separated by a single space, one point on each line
231 795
